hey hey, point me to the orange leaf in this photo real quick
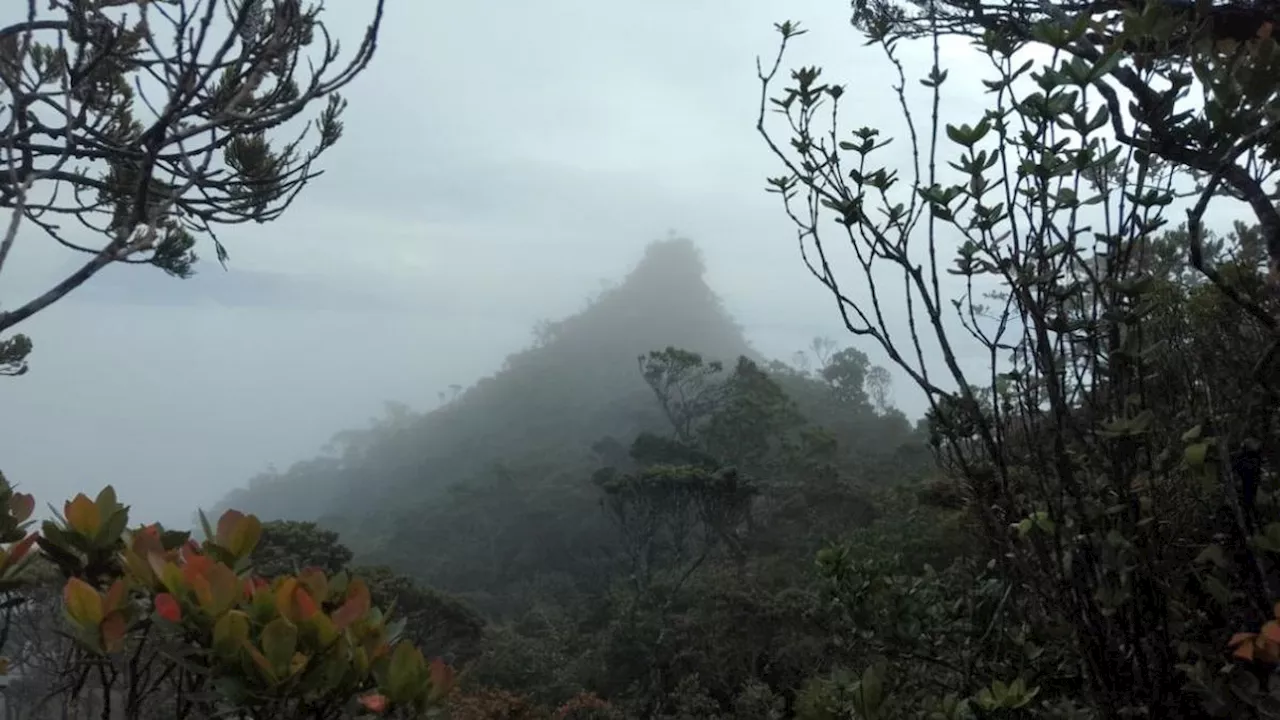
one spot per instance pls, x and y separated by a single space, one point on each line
82 515
195 566
146 541
1241 637
21 548
1244 652
115 595
21 505
306 607
1267 652
260 660
168 608
113 632
203 592
356 605
316 583
84 604
374 702
284 599
226 527
441 678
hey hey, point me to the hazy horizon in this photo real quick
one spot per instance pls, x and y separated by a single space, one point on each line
499 163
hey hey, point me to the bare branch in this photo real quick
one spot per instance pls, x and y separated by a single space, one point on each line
151 126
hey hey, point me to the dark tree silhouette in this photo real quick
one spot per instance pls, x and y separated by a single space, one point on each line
150 124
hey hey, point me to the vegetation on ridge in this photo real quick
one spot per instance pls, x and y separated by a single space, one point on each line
638 517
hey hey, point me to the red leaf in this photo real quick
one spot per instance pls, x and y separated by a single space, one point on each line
1240 638
22 505
114 630
115 595
1245 651
21 548
356 605
441 678
196 566
374 702
168 608
306 605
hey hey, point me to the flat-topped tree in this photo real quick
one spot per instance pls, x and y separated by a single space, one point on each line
150 123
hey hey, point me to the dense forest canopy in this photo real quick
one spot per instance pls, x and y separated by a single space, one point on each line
640 517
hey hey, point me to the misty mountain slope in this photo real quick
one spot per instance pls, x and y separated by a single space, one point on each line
577 383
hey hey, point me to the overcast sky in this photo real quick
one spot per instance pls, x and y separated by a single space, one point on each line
501 159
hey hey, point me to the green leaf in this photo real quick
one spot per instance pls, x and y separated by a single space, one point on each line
872 689
114 526
229 633
83 603
1196 453
279 642
405 672
1212 554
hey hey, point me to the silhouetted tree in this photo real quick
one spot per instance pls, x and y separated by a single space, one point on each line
151 124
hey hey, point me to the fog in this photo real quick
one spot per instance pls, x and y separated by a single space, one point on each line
500 161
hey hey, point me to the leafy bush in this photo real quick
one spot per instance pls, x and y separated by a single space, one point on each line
160 620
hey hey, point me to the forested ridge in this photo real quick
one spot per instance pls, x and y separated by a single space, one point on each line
624 501
638 516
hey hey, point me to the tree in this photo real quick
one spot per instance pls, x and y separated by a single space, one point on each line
433 621
685 386
436 622
846 371
288 546
1152 51
152 124
879 387
1108 456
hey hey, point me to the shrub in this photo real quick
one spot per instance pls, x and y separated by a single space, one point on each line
158 619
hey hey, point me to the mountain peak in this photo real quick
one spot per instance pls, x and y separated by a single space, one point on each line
578 382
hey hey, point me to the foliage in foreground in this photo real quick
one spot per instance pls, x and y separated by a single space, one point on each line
154 124
1113 456
163 624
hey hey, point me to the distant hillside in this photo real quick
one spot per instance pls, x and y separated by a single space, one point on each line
577 383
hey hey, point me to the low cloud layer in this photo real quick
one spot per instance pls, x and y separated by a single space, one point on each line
501 160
